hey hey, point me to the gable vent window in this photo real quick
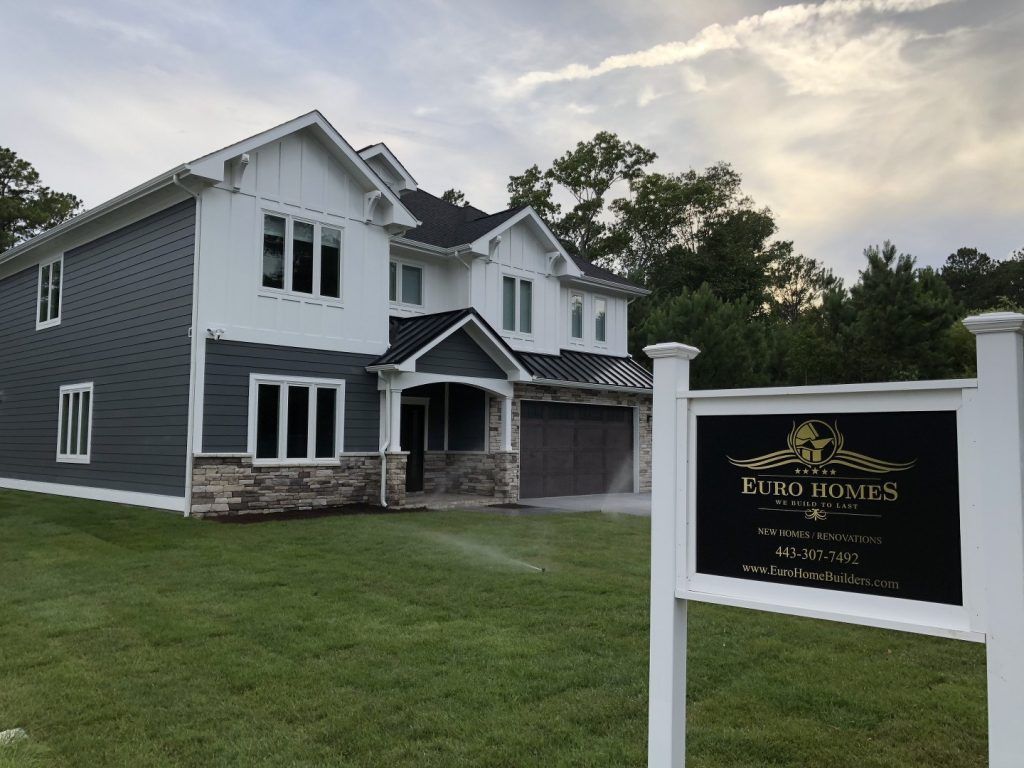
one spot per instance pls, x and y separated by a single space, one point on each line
295 420
516 305
301 257
74 424
600 320
51 275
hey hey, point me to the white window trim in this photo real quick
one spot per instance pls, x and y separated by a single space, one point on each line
73 389
518 331
255 379
583 318
289 231
607 303
399 300
40 325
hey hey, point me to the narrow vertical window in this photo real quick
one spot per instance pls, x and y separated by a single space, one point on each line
600 320
326 418
412 285
74 424
302 257
508 303
576 315
525 306
48 300
297 437
268 414
330 262
273 251
393 281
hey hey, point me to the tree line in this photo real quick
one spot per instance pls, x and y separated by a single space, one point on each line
762 313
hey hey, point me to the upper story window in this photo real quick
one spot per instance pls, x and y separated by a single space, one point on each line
301 256
516 304
405 283
600 320
74 423
576 315
51 277
295 420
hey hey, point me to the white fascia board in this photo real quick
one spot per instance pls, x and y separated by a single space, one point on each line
134 498
211 166
125 198
380 149
497 351
595 387
606 285
528 214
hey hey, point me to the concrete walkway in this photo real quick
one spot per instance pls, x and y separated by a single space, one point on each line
613 503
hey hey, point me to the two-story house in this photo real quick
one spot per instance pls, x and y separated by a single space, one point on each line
289 323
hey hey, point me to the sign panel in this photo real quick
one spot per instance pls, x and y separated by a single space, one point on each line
856 502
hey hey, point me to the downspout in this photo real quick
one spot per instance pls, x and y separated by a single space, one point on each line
194 351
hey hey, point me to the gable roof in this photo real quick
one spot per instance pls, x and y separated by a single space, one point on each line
446 225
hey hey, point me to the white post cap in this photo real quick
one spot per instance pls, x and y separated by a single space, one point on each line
995 322
675 349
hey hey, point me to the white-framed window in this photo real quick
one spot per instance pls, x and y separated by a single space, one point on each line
600 320
405 283
576 315
300 256
74 423
516 304
48 293
295 419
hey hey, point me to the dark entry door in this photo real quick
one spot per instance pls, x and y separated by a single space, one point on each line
414 421
570 450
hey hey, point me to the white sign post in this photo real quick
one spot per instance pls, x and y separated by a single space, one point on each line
981 424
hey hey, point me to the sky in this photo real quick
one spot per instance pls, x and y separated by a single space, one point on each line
855 121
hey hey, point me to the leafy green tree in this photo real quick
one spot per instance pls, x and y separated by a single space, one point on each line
797 285
587 173
684 230
734 351
971 277
26 206
454 196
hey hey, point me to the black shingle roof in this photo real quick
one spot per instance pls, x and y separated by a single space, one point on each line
447 225
588 368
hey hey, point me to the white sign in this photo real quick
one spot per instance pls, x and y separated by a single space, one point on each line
893 505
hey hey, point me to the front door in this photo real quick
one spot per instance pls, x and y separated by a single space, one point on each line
414 425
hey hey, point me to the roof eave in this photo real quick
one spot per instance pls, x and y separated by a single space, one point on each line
635 290
584 385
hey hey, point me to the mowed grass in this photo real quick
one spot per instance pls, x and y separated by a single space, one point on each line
130 637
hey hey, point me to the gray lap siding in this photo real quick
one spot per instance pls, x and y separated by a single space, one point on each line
125 314
226 390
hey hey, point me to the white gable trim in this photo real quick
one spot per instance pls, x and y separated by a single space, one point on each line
380 149
483 243
212 166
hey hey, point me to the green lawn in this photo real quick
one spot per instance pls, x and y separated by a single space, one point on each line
132 637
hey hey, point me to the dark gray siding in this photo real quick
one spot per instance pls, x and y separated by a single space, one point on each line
226 396
459 355
125 314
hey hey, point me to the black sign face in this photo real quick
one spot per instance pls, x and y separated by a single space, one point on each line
857 502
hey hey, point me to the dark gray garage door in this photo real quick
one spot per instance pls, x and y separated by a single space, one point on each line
569 450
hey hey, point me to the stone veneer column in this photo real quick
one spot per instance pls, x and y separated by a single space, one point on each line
397 463
506 475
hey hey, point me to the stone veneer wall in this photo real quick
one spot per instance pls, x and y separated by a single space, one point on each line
522 392
471 473
231 485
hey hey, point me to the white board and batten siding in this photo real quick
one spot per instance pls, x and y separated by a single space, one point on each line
522 254
293 176
989 448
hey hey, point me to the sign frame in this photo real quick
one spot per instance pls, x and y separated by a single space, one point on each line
990 454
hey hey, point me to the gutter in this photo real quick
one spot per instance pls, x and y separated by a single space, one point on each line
596 387
635 290
85 217
193 375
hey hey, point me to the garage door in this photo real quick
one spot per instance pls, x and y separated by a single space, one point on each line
569 450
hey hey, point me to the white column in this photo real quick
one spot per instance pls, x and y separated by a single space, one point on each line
666 729
1000 421
395 415
506 423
